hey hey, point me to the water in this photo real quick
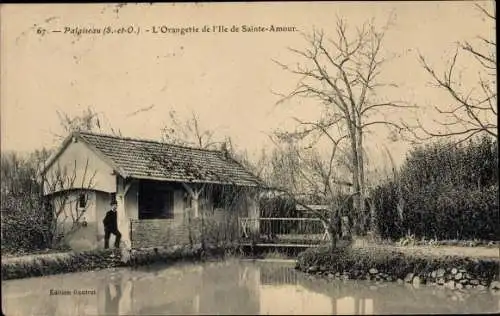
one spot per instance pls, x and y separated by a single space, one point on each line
230 287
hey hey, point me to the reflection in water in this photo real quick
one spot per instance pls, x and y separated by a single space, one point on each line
113 294
230 287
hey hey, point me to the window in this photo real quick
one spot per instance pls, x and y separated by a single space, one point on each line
155 201
82 200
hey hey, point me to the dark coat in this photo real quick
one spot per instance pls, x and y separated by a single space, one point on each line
110 221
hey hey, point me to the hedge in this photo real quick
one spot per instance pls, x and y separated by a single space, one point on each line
443 191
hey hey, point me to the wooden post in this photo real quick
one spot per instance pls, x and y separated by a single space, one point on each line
123 219
195 198
195 193
195 203
253 212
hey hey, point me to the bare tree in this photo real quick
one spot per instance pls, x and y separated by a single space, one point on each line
188 132
305 177
303 170
344 74
87 121
474 109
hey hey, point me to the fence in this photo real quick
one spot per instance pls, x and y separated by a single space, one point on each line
295 231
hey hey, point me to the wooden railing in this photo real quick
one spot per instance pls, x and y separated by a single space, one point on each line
299 231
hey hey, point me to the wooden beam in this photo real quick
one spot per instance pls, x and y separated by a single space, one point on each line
200 190
188 188
195 193
127 187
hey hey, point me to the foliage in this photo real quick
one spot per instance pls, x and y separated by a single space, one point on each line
472 164
25 223
443 191
278 206
218 226
321 256
220 232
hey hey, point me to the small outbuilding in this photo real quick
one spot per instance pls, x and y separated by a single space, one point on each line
161 189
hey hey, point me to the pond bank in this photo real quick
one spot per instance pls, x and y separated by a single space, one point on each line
378 264
42 265
93 260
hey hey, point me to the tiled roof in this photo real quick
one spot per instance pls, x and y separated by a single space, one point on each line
156 160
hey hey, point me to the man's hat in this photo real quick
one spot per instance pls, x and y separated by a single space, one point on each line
113 202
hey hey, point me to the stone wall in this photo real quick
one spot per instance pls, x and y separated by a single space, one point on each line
162 233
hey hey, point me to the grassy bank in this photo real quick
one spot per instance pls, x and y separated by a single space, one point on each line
102 259
388 265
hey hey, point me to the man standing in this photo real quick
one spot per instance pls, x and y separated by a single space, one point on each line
111 226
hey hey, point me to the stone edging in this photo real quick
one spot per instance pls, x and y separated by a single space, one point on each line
447 272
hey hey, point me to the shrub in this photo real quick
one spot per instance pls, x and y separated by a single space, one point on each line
442 192
25 224
25 227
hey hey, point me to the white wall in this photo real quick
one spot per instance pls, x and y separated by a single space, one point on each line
66 202
80 161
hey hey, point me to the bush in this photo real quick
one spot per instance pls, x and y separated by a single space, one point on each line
25 229
443 192
25 224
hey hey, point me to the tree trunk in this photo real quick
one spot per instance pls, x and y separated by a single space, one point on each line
361 174
355 179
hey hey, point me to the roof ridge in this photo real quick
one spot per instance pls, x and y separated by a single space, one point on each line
145 140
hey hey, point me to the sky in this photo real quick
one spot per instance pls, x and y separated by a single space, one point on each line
228 79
